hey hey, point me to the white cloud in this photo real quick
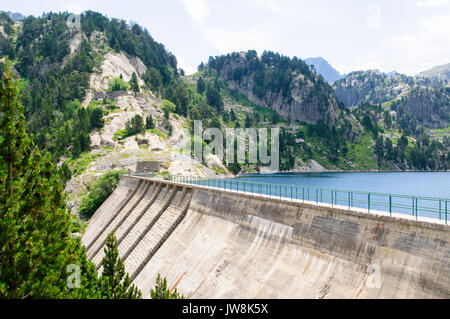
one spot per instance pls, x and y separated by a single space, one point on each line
272 5
414 52
370 62
188 69
256 37
74 8
374 16
431 3
199 10
408 53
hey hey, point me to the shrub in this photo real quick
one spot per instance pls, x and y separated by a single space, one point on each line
99 192
117 84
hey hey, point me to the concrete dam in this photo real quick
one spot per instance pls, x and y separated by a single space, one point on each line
213 243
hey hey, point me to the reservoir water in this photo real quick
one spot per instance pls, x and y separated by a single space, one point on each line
425 184
425 194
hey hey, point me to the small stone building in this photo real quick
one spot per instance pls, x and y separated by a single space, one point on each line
148 166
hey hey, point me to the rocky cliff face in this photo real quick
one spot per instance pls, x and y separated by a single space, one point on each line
440 73
426 100
430 107
371 87
297 93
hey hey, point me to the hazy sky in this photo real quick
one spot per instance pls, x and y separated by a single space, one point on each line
408 36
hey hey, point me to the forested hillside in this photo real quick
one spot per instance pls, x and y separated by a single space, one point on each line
54 77
280 83
91 94
439 73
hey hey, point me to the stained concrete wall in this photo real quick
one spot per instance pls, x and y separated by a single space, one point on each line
219 244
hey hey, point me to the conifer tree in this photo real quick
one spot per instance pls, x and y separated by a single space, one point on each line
201 85
35 241
162 292
149 122
135 125
114 282
248 121
134 85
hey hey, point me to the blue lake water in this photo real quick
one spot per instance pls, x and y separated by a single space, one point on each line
427 184
424 194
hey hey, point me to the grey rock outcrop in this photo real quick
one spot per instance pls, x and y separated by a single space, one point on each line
310 102
426 101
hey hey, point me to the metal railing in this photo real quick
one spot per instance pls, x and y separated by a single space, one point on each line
417 206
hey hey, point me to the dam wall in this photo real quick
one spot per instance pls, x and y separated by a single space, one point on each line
213 243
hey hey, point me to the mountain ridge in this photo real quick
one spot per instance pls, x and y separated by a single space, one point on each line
283 84
324 68
89 94
424 99
440 72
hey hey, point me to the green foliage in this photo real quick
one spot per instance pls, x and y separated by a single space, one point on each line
214 98
424 154
97 120
271 73
78 164
135 125
162 292
153 79
99 192
134 85
158 132
167 107
201 86
235 168
117 84
65 173
248 121
77 225
114 282
35 242
215 122
42 44
149 124
120 134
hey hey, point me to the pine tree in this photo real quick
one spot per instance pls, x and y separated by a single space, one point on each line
201 86
97 120
162 292
114 282
232 115
134 85
135 125
149 124
248 121
35 241
65 173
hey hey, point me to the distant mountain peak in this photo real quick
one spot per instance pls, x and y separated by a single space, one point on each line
16 16
325 69
440 72
392 73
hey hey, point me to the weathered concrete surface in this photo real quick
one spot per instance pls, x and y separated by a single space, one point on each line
240 246
103 215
